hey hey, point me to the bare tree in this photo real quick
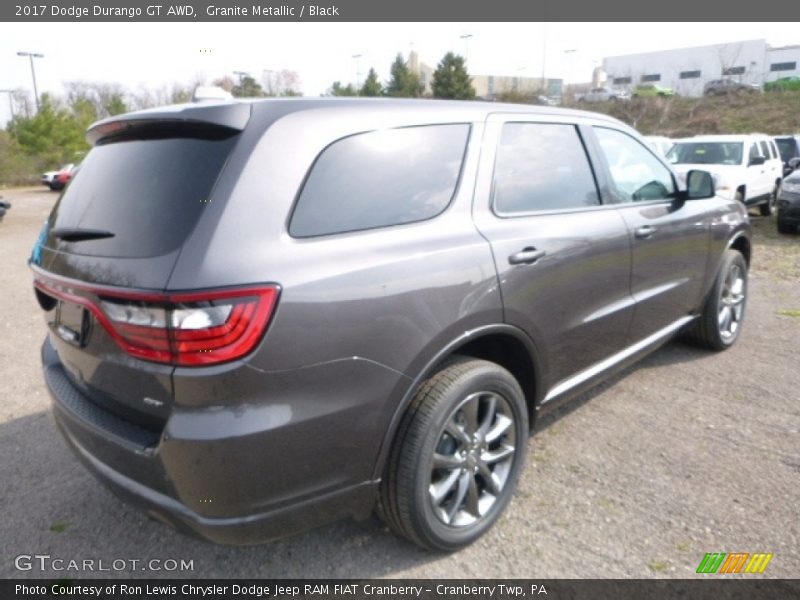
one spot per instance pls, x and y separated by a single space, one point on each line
728 56
281 83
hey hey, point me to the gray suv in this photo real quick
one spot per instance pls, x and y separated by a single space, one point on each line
267 315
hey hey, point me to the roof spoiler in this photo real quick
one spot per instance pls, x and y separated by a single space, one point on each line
225 115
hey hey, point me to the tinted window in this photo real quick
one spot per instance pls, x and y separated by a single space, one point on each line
733 71
753 151
148 192
706 153
785 66
637 174
689 74
787 148
764 149
541 166
381 178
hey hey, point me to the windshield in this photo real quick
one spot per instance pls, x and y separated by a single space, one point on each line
706 153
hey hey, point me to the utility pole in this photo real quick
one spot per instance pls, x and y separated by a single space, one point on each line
31 56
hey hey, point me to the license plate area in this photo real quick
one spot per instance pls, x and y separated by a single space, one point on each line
72 323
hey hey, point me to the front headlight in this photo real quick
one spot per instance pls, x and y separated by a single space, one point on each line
792 187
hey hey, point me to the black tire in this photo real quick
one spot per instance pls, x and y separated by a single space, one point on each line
768 209
408 499
785 227
707 330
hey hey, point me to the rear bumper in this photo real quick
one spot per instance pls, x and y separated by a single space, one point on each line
203 482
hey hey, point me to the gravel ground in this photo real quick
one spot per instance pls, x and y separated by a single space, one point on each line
685 453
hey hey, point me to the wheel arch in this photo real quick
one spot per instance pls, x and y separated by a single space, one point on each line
501 343
741 243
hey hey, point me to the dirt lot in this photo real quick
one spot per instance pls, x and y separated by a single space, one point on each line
686 453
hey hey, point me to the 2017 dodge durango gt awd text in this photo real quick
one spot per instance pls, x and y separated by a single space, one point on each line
266 315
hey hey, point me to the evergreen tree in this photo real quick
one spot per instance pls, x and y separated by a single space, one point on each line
371 87
247 88
451 80
337 89
403 83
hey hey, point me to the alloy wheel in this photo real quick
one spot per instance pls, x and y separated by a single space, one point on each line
731 302
472 459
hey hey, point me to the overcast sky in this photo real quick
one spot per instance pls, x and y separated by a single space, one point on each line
153 55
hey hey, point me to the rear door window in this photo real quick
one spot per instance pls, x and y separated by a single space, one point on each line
381 178
148 193
542 166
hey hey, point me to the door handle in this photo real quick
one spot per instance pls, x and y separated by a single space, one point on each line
526 256
644 232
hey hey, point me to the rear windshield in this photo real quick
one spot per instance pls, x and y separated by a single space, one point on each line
706 153
148 192
787 147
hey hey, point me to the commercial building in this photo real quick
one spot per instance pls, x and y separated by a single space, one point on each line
687 70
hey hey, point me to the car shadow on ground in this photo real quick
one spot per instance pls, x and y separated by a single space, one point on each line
674 352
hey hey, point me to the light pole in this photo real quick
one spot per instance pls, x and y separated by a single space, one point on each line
358 73
466 37
31 56
544 57
570 54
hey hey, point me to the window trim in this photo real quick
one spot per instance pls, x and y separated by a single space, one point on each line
445 208
545 211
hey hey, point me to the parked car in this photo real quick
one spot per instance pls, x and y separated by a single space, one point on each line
49 176
292 311
726 85
746 167
63 177
659 143
648 90
784 84
789 202
789 148
604 94
5 205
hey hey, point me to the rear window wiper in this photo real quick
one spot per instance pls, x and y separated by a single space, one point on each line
75 234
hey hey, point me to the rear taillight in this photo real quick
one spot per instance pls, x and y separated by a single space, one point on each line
184 329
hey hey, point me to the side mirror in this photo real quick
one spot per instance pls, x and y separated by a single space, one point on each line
756 160
699 185
794 163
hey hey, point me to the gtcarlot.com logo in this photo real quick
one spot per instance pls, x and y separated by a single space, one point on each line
46 562
734 562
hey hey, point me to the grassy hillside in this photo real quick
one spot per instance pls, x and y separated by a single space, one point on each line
771 113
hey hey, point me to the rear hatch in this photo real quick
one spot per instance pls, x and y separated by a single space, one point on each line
105 255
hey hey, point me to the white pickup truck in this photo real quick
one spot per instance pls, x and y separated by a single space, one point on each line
745 167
